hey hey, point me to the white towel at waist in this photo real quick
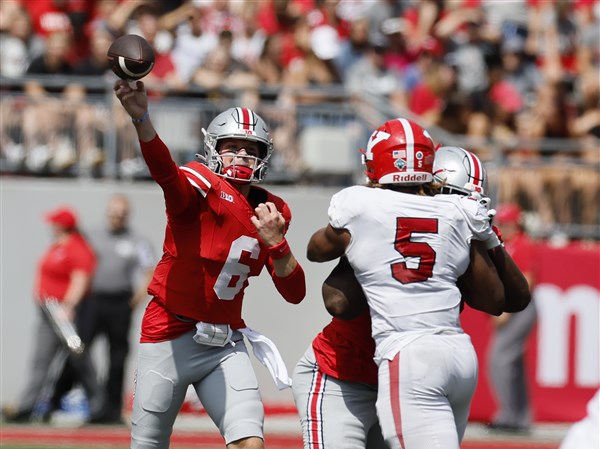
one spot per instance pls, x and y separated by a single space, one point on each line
268 354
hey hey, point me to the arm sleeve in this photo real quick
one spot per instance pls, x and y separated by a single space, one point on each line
178 192
293 286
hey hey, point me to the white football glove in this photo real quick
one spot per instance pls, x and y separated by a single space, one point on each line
486 201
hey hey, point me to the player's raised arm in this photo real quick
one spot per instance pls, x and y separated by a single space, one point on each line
135 103
179 194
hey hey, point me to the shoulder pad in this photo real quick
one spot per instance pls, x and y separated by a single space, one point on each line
199 176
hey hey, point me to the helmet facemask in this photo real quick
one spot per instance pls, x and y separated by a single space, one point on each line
240 124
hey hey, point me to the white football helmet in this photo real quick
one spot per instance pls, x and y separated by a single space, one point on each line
460 171
237 123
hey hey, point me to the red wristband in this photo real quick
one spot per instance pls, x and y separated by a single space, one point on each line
280 250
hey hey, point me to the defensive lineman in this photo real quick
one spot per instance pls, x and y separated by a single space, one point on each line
407 249
335 382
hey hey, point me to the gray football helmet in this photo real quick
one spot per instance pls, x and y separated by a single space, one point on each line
237 123
460 171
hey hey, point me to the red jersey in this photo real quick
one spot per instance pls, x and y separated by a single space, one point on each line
58 264
47 18
210 250
345 349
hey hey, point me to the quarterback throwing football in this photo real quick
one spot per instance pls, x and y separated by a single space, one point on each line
221 229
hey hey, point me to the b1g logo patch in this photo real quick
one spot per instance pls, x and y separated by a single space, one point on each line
226 196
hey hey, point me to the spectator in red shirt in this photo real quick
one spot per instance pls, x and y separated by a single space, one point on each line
49 16
64 16
428 98
64 273
281 18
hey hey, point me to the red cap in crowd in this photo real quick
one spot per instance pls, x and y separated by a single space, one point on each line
507 97
507 213
63 216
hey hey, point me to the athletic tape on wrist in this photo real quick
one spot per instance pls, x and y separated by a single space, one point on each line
280 250
142 119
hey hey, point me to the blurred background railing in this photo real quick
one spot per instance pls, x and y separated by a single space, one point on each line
81 132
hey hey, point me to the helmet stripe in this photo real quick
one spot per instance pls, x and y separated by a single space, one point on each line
246 117
476 169
243 118
410 144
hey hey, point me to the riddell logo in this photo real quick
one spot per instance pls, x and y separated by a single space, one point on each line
409 177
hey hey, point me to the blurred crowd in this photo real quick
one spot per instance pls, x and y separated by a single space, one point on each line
494 71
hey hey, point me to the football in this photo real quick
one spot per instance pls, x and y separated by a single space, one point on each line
131 57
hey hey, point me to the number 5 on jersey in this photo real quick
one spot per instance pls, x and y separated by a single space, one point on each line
405 228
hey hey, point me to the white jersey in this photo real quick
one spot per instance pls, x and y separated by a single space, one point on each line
407 252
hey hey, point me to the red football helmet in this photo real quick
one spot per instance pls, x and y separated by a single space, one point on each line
400 152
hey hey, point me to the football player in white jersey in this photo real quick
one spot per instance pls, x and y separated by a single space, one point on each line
407 248
337 376
462 172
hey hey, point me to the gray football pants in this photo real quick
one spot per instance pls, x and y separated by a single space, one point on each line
223 378
334 414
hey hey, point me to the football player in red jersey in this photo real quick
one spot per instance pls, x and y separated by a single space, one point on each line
221 229
462 172
335 381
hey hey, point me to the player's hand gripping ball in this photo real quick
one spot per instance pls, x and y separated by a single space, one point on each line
131 57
